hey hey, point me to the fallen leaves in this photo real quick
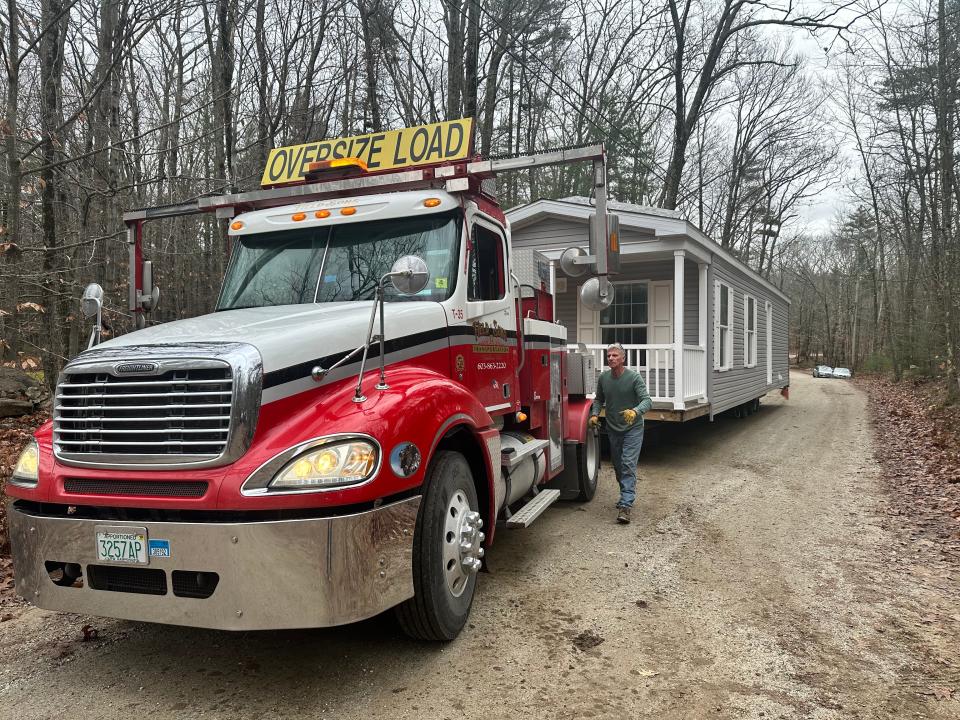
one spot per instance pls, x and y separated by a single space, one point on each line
918 446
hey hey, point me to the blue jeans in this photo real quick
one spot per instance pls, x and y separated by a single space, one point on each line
624 453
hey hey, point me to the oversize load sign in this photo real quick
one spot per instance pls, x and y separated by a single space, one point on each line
423 145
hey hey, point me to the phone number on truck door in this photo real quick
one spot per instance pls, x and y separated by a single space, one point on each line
491 366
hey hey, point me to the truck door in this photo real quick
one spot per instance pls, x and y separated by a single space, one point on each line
491 365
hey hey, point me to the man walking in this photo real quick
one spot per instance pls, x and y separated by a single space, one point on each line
625 396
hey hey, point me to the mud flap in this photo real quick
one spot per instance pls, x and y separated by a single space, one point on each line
567 481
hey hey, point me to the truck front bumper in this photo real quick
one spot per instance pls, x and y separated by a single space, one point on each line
264 575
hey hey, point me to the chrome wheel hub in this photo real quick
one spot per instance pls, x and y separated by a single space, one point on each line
462 543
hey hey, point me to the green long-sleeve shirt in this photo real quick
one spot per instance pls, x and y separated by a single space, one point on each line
627 392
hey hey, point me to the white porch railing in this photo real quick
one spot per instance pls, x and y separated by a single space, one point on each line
694 372
653 362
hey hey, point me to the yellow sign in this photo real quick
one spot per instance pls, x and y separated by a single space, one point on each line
423 145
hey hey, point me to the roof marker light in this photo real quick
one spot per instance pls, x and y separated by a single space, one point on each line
297 217
236 225
321 214
431 202
351 163
348 211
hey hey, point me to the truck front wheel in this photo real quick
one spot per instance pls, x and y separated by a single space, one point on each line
588 465
447 547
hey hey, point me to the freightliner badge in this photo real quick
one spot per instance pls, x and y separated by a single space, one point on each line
409 147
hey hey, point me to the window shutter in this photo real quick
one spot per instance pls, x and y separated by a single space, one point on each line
716 324
731 299
746 348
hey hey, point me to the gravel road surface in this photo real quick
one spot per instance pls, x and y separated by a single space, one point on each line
764 576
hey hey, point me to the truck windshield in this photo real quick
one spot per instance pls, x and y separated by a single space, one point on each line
339 263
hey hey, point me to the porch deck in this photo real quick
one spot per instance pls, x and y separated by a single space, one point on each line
665 412
674 398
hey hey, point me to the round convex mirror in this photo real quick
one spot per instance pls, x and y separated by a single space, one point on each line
92 300
597 294
568 262
409 274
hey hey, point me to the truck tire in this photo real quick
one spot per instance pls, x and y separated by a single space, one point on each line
588 465
443 588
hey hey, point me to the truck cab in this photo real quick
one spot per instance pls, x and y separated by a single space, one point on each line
372 394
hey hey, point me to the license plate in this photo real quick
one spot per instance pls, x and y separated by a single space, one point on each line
122 545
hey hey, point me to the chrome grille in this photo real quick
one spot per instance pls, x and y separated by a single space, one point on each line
177 414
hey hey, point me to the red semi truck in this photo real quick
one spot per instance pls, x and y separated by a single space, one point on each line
374 393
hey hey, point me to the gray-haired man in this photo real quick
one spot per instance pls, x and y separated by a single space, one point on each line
624 394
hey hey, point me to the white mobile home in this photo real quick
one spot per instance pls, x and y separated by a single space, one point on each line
707 333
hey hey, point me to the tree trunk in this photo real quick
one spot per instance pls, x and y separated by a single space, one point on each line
472 59
9 324
51 71
946 89
454 21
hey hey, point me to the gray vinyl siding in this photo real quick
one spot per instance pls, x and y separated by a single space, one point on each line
653 271
740 384
691 304
724 389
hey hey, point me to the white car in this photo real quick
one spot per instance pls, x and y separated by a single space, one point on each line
842 372
821 371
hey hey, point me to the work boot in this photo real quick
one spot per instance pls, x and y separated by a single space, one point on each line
623 516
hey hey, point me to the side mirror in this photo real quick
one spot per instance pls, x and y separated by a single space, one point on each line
92 300
597 294
150 297
409 275
91 305
571 263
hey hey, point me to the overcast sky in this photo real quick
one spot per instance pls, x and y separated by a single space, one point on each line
822 213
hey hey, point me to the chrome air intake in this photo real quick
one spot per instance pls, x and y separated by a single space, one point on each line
157 407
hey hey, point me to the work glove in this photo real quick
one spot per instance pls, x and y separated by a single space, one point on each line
629 416
594 421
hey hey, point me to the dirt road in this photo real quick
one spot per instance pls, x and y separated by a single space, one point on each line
764 576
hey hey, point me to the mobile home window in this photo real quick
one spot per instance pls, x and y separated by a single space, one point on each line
749 331
722 324
625 321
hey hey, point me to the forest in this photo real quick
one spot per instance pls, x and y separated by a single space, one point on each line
739 114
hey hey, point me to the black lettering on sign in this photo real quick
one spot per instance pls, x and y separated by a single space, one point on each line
309 156
278 169
398 158
455 129
294 160
436 144
422 137
324 152
362 142
375 141
338 147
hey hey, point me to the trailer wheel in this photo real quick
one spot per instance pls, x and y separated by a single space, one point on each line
447 547
588 465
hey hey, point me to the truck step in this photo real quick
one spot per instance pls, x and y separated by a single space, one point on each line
532 510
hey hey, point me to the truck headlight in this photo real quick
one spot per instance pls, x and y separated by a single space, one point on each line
26 473
329 465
